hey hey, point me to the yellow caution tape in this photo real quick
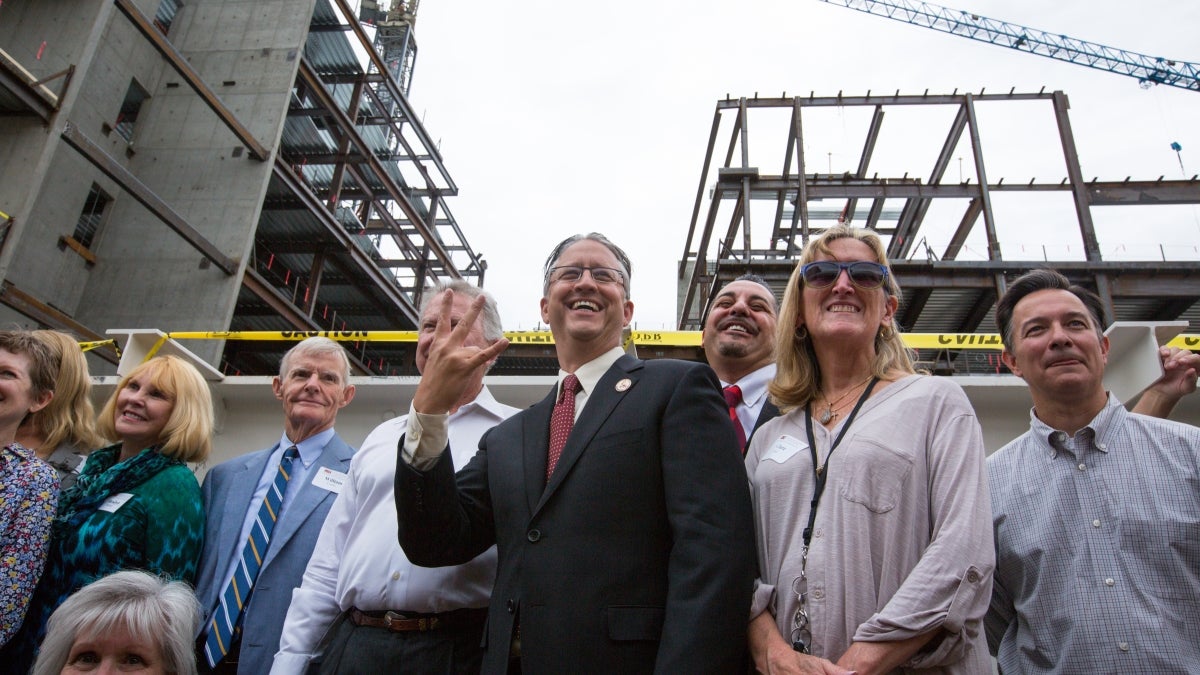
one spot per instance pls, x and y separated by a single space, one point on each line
964 341
89 346
4 216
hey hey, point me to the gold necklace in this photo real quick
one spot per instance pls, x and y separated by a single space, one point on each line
828 415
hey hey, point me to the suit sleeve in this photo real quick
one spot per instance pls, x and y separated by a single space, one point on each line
712 560
444 519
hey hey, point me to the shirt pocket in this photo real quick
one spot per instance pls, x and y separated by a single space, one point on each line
874 474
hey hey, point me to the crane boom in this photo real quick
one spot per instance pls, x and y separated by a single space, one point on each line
1147 69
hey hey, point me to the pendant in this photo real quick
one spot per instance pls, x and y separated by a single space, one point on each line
826 416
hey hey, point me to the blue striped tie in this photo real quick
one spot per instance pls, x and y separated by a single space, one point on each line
225 624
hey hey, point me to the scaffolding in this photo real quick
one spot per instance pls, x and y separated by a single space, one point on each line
944 291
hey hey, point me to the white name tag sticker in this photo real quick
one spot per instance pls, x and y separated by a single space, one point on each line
328 479
115 502
783 448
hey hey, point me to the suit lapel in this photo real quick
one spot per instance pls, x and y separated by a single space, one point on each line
599 407
235 505
335 455
536 445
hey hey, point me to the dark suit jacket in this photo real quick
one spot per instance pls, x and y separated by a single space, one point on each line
227 490
636 557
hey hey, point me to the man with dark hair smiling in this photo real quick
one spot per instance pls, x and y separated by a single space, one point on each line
619 507
739 344
1096 511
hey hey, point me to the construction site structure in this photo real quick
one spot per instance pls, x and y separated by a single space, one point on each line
760 195
220 165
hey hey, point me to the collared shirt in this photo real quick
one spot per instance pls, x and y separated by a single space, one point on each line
900 546
310 451
754 394
589 375
1098 547
357 561
27 505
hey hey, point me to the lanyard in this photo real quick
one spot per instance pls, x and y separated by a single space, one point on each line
820 473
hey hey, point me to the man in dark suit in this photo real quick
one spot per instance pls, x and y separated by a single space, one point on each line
244 590
626 542
739 344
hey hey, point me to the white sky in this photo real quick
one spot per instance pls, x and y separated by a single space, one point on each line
559 117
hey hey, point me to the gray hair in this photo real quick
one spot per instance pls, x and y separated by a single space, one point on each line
622 258
145 605
317 345
489 316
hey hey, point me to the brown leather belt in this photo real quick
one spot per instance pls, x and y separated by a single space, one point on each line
403 622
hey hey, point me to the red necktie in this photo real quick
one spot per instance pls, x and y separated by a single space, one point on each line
733 396
561 421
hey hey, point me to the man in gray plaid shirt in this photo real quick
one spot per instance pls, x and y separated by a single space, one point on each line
1096 511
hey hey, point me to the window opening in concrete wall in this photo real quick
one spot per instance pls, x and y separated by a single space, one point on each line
91 217
134 97
166 14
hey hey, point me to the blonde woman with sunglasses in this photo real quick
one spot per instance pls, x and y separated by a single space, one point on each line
871 502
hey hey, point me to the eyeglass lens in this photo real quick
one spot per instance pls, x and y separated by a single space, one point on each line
573 273
864 274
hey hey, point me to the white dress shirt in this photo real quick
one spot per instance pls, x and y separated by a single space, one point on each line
357 561
754 395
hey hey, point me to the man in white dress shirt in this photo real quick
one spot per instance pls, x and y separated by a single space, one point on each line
362 606
739 344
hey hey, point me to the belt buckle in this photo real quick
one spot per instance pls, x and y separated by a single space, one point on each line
391 617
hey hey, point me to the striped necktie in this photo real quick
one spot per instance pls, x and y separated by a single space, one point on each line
225 626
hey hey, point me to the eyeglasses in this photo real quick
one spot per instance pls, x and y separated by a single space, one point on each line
801 630
573 273
863 274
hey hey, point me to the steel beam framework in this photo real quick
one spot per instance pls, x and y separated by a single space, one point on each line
943 293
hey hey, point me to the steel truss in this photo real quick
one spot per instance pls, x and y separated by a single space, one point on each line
942 294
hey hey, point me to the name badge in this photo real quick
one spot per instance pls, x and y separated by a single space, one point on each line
115 502
783 448
328 479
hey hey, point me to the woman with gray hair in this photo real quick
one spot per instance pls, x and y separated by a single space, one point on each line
132 621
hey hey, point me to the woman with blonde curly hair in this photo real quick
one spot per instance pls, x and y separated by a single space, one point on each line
64 431
870 495
136 504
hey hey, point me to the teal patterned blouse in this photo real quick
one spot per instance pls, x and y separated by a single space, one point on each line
144 513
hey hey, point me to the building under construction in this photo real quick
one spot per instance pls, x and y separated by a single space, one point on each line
219 165
754 211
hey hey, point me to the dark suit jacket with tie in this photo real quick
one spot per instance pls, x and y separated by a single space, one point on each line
227 491
636 557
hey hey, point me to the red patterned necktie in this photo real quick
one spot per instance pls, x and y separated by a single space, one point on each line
561 421
733 396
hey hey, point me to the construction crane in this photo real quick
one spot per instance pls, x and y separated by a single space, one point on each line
1148 70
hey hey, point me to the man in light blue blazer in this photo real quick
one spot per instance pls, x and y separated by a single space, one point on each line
313 385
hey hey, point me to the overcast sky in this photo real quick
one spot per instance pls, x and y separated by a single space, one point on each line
559 117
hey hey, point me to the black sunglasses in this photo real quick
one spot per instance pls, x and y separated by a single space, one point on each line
824 273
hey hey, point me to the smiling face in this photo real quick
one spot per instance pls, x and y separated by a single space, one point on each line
1057 348
312 391
114 651
142 411
739 334
16 393
843 311
585 317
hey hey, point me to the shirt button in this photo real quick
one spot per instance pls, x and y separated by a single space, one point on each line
818 533
1096 523
1082 466
395 576
972 576
1103 446
818 594
1109 582
1123 646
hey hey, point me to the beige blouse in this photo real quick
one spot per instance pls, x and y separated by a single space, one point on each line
903 540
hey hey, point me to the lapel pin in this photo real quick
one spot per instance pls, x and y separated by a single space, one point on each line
624 384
